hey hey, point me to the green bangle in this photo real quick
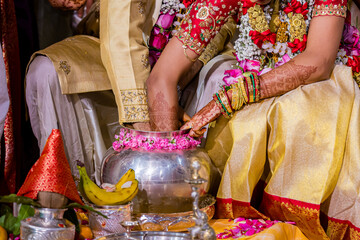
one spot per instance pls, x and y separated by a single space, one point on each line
227 113
253 82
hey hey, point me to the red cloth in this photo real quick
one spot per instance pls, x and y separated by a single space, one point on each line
10 51
51 172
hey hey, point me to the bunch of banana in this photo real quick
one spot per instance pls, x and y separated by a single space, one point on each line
100 197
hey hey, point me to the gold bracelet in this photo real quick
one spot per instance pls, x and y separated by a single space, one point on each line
192 60
243 91
234 97
257 87
250 89
225 101
240 98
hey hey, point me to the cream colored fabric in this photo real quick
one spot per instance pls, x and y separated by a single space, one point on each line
87 121
298 132
78 64
306 141
124 53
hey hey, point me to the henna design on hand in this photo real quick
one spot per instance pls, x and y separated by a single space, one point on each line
162 116
284 79
206 115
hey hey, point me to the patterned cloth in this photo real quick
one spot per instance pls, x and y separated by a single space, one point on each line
51 173
10 51
205 18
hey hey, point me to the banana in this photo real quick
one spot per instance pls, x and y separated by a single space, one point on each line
128 176
100 196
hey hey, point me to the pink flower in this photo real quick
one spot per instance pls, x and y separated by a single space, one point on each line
283 60
351 43
165 20
232 76
158 41
125 140
153 57
249 65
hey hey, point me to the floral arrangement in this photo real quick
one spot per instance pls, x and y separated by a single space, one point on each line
266 42
247 227
349 52
171 13
258 48
126 140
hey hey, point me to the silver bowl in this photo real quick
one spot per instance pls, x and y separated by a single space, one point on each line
161 174
148 235
115 214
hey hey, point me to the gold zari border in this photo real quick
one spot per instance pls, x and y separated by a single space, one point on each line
337 230
329 10
135 105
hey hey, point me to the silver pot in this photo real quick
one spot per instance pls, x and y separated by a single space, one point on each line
161 174
47 224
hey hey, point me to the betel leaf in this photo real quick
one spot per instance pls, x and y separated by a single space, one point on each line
77 205
11 223
13 198
24 212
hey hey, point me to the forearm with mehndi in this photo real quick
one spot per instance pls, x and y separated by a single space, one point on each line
163 117
285 78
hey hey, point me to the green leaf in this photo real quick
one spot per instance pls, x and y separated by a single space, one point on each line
25 212
2 220
77 205
18 199
10 223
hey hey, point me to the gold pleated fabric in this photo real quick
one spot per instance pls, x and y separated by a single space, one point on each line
124 28
78 64
303 145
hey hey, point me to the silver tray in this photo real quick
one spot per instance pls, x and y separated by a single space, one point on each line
146 235
175 222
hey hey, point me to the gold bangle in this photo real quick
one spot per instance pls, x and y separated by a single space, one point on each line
192 60
250 89
240 98
257 87
234 97
243 92
225 101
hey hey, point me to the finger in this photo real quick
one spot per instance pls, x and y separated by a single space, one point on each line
186 117
186 125
197 133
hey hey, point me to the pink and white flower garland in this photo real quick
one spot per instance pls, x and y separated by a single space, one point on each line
247 227
126 140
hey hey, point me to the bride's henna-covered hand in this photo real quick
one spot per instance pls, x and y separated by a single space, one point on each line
206 115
